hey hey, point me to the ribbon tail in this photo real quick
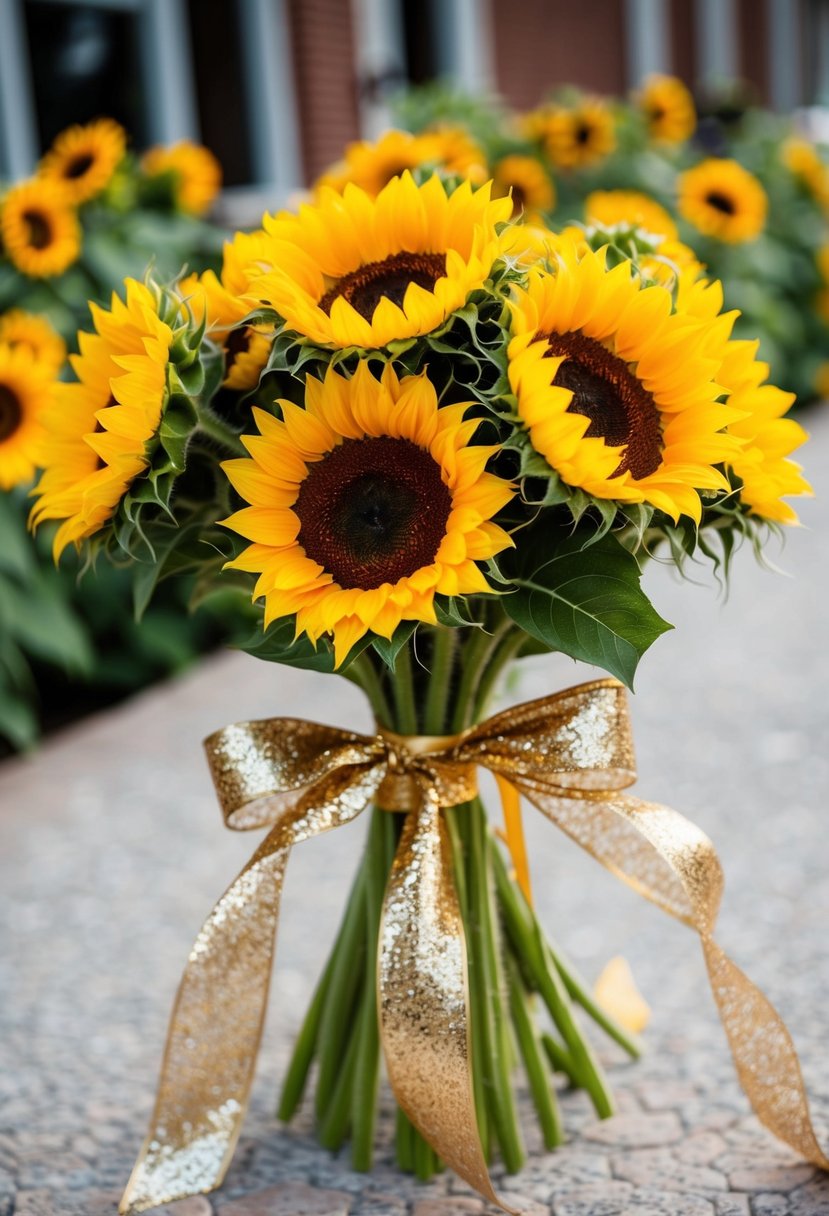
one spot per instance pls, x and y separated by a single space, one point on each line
764 1055
423 997
217 1019
671 862
213 1039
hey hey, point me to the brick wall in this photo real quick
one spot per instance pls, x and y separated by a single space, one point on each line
323 47
540 44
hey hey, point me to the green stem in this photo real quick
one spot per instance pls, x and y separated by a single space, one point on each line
335 1022
529 945
403 683
560 1059
404 1142
337 1117
578 990
529 1041
505 651
439 680
495 1033
295 1080
474 659
211 424
367 1067
362 672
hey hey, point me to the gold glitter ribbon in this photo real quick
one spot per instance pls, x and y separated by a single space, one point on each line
571 755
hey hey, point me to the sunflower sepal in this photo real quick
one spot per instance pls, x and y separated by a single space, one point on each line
388 649
453 612
175 547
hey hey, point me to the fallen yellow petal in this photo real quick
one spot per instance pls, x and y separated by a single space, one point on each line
615 990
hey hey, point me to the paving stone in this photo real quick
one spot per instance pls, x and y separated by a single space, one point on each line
812 1199
655 1203
732 1205
598 1199
379 1203
666 1095
195 1205
7 1193
291 1199
703 1148
658 1169
455 1205
770 1178
636 1130
770 1205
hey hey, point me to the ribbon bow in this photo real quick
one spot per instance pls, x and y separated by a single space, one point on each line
571 755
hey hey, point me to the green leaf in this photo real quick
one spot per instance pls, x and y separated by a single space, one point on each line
277 645
44 625
17 551
584 599
18 721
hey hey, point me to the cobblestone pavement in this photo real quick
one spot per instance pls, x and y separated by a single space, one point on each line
111 853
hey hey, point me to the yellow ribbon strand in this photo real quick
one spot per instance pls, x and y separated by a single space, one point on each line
514 835
569 754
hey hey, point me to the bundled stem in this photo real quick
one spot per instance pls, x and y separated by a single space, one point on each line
514 972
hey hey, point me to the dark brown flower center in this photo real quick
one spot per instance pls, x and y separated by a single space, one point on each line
40 230
720 202
620 409
238 342
366 287
11 412
583 133
79 166
373 511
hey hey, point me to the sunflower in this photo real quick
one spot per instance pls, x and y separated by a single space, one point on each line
820 382
582 135
221 300
822 296
194 170
26 388
100 425
84 158
761 462
27 331
364 506
371 166
355 271
39 229
722 199
616 390
527 183
803 161
629 209
610 207
668 108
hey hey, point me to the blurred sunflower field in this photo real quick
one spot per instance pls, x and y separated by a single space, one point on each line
92 214
732 186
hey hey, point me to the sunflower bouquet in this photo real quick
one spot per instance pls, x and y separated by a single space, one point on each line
91 213
741 187
428 439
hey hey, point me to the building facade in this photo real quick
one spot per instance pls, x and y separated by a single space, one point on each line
277 87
